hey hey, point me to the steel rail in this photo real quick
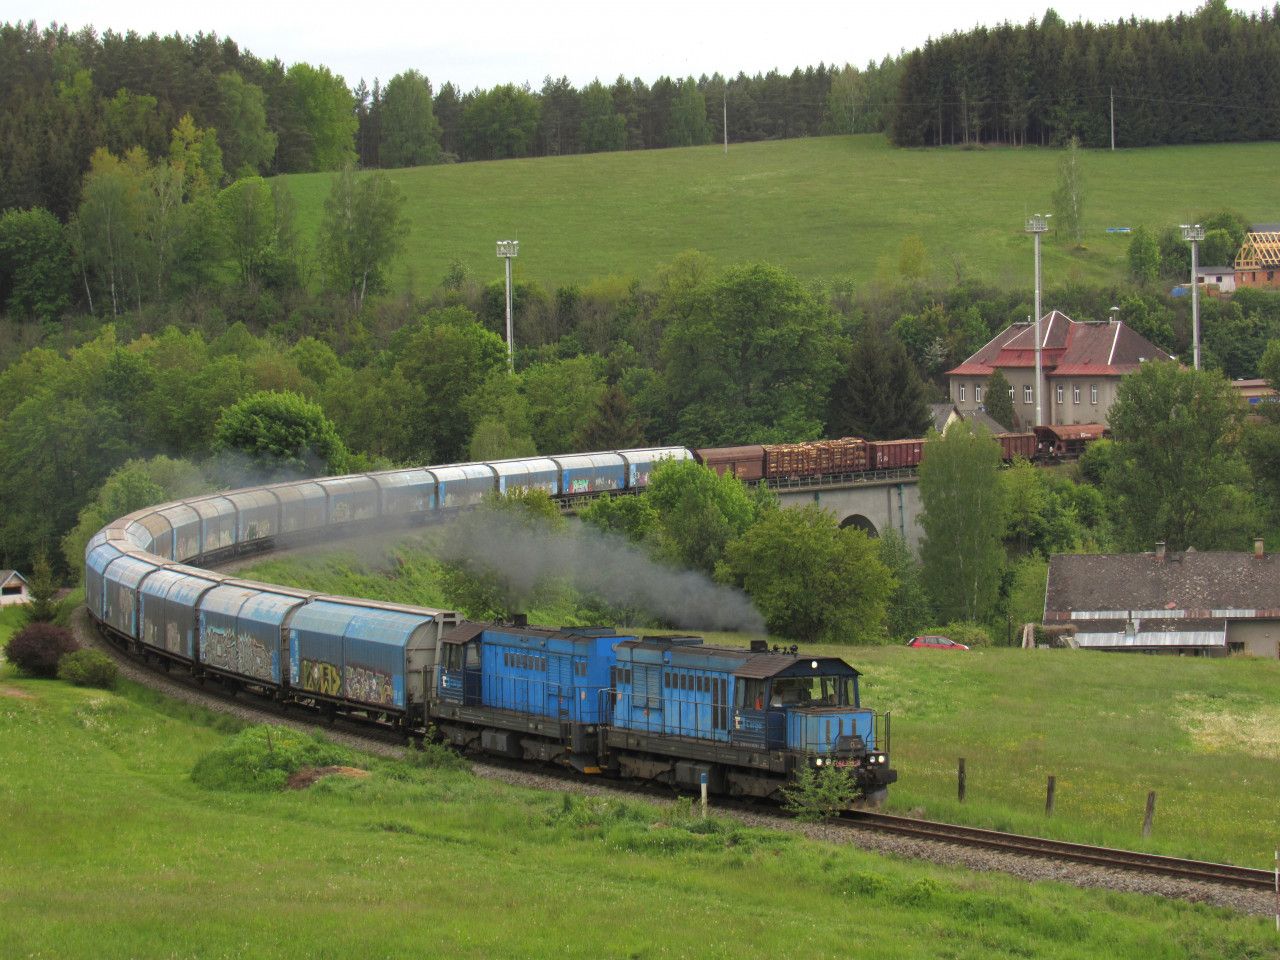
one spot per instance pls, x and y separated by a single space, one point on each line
1133 860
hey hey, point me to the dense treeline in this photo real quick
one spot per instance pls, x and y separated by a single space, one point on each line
64 95
1210 77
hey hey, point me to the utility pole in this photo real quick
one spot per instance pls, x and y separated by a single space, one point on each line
1194 233
507 249
726 117
1037 224
1113 119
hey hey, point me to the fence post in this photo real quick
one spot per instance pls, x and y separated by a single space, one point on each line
960 780
1151 814
1050 795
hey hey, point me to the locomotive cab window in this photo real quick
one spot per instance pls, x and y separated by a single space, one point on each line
812 692
750 694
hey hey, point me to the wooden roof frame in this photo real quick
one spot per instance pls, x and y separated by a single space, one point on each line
1259 251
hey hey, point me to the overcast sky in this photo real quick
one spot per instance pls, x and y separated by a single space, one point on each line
483 44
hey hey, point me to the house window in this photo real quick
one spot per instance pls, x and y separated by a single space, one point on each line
1093 393
961 393
1060 393
1026 394
1075 393
977 394
1011 394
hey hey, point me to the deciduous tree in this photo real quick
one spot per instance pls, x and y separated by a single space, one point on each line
811 579
35 264
1177 473
362 231
748 357
280 434
1068 198
963 520
700 511
410 135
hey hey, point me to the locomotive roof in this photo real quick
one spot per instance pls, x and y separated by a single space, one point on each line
469 631
750 665
771 666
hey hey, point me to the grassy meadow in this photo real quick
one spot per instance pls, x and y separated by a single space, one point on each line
823 208
110 850
1204 734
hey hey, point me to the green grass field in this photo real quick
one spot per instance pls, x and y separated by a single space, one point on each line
823 208
109 850
1204 734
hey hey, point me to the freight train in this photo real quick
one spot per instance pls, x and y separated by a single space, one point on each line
853 456
672 710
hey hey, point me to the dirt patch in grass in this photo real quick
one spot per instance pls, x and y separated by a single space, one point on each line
15 693
1215 726
309 775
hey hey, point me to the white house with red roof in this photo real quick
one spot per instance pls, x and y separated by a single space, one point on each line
1082 364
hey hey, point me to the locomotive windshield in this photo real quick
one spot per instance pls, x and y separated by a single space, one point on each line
812 692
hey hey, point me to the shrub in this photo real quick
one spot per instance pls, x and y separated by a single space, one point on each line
89 668
818 794
37 648
262 758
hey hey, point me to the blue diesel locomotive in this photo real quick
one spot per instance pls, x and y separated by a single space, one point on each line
665 709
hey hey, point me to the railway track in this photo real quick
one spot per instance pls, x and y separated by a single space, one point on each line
1149 863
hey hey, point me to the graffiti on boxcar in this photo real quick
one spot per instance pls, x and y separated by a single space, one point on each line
245 654
369 686
172 638
319 677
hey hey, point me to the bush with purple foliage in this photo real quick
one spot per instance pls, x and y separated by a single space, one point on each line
37 648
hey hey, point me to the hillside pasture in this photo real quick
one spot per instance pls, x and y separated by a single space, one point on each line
824 208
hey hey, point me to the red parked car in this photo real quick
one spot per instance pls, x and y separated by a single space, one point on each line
936 643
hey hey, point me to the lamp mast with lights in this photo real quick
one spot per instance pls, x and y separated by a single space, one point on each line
1195 233
506 250
1037 224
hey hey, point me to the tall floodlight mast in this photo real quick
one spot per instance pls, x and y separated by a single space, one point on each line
506 250
1037 224
1195 233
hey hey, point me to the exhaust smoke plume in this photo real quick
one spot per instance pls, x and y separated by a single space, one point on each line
599 564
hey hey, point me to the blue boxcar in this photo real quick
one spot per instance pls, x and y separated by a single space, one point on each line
358 652
405 491
531 473
217 522
167 610
583 473
120 584
97 558
640 463
235 644
463 484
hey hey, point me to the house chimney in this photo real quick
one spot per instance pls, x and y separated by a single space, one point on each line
1159 551
1258 552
